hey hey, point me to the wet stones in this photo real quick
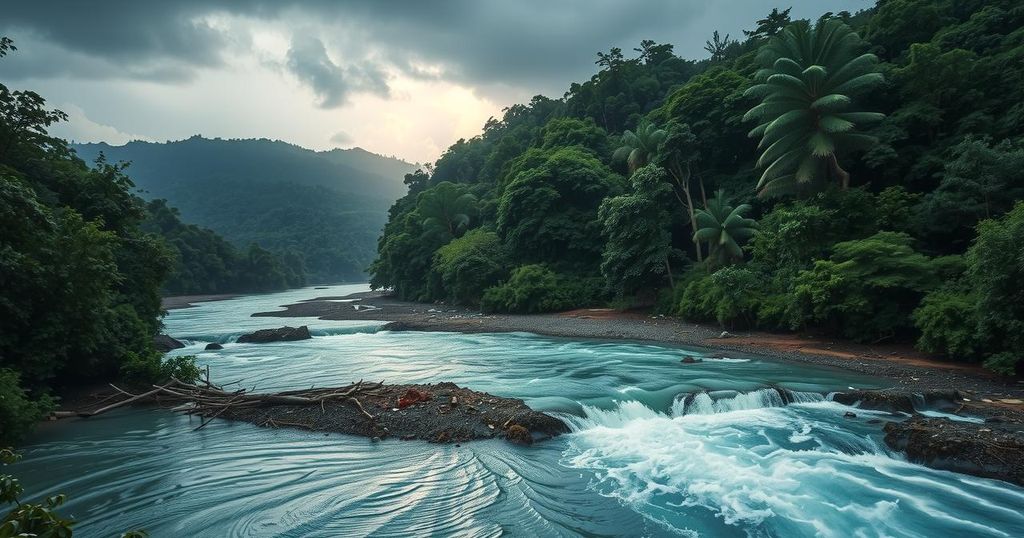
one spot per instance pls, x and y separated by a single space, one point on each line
961 447
282 334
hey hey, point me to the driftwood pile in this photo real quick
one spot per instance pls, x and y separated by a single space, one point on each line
209 401
439 413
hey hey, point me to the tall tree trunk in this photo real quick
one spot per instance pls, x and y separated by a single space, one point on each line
842 175
668 271
703 194
683 180
693 222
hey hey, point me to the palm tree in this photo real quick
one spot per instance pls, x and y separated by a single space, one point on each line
446 209
807 118
638 148
723 228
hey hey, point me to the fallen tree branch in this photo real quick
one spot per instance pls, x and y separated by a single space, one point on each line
210 401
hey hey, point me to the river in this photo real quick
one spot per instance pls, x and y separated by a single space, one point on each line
638 463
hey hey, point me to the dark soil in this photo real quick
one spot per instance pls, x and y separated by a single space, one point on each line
449 414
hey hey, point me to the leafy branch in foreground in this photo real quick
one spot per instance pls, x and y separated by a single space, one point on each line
28 519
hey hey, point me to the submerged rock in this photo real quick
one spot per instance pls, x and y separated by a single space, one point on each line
896 401
961 447
166 343
283 334
213 347
518 434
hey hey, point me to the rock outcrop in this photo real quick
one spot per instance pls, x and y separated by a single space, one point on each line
283 334
983 450
166 343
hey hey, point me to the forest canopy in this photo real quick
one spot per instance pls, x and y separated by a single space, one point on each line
857 175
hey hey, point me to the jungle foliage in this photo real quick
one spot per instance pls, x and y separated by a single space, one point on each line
81 279
875 201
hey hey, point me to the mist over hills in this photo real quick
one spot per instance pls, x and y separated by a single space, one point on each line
327 206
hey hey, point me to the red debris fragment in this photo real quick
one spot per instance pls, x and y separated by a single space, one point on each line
412 396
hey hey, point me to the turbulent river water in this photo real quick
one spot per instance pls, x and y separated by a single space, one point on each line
733 462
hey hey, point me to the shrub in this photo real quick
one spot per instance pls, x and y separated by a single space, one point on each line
866 290
18 412
731 296
535 288
470 264
995 271
151 368
948 321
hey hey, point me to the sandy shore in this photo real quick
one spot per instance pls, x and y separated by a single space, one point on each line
908 368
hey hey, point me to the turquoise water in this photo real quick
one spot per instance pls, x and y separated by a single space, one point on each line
735 462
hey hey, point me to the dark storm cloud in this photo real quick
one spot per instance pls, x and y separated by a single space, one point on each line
539 44
152 40
309 62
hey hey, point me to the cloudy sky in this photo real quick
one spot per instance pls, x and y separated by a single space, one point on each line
398 77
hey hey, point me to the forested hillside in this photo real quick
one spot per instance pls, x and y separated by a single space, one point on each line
859 175
205 262
324 208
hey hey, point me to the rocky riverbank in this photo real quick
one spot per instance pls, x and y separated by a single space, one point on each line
909 369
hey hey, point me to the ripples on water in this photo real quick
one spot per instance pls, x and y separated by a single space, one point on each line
734 462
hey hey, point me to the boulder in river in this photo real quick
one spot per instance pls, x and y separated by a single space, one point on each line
213 347
519 435
897 401
166 343
961 447
283 334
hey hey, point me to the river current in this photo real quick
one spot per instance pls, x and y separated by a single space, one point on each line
732 462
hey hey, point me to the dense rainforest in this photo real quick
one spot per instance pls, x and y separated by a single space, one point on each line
324 209
205 262
858 175
80 273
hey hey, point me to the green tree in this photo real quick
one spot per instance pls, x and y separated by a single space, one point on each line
717 46
677 154
638 250
548 212
981 180
637 149
995 270
807 82
867 289
723 227
470 264
770 25
447 209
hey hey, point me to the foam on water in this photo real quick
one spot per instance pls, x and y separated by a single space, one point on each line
768 469
733 459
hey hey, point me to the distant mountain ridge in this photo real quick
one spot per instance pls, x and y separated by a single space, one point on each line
154 164
327 206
